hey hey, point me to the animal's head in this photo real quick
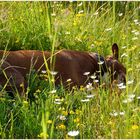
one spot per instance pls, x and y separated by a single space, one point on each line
116 69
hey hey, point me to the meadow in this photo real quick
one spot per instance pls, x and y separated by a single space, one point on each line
86 113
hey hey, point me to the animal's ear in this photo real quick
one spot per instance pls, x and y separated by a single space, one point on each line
115 51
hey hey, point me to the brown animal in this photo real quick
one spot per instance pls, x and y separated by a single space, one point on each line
15 65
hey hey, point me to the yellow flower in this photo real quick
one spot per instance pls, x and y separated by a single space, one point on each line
21 19
111 123
52 80
67 137
31 9
135 127
74 87
22 85
40 10
38 91
78 111
98 43
61 108
25 103
130 69
132 48
82 88
65 113
45 76
78 124
76 120
61 126
49 121
72 112
74 23
79 15
66 102
43 135
123 36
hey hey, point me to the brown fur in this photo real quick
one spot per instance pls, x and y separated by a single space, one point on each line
68 64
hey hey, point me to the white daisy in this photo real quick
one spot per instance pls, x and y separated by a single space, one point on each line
86 73
80 4
89 86
122 113
101 62
73 133
93 76
61 117
69 80
96 81
131 96
138 97
130 82
58 103
114 114
90 96
129 100
96 13
53 73
120 14
85 100
43 71
53 91
108 29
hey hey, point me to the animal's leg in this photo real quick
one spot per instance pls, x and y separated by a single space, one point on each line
11 79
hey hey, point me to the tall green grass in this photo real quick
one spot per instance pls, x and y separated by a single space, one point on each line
52 112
